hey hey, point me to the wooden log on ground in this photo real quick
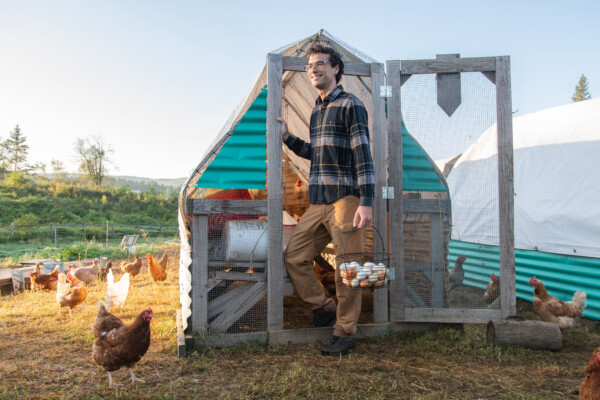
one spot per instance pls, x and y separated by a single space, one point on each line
539 335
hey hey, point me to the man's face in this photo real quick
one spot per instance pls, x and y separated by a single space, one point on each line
322 78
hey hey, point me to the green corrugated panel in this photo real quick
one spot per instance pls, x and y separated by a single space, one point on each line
418 173
562 275
241 162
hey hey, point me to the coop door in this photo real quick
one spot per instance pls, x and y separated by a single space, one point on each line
435 110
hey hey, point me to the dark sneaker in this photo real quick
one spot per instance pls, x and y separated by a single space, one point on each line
338 346
323 318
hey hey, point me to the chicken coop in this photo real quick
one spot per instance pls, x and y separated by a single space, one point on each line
240 205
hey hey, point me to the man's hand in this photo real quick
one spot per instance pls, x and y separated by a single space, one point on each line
284 128
363 217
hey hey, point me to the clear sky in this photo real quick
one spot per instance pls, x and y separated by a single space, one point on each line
158 79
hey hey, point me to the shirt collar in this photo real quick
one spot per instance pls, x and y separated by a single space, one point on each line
331 96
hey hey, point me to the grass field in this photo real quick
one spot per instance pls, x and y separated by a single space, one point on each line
44 355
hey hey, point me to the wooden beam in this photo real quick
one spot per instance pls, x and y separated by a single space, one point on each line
209 206
380 297
451 315
437 267
212 264
505 187
238 307
448 87
427 206
238 276
275 190
199 273
221 303
412 67
350 68
396 206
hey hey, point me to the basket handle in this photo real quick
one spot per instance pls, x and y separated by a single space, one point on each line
355 228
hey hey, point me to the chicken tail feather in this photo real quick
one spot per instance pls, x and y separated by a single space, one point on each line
579 299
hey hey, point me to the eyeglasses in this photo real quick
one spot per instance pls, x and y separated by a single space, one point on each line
318 65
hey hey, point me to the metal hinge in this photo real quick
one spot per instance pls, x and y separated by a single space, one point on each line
387 192
385 91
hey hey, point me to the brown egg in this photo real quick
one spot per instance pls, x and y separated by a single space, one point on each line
378 283
365 283
351 271
344 274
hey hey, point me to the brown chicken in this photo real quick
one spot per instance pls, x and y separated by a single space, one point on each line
326 275
590 388
551 309
119 345
158 270
492 291
133 268
44 281
87 274
70 292
457 274
104 270
300 190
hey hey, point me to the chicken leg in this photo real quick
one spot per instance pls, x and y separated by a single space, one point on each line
134 378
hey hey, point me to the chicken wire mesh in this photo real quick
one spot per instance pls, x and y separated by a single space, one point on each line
444 114
237 252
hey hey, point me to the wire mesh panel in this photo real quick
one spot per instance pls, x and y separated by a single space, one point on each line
445 105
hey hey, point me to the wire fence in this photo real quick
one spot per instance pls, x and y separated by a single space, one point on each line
83 231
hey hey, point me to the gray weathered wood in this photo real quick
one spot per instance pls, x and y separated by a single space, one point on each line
275 197
350 68
207 206
199 273
396 208
380 297
238 307
539 335
217 264
411 67
451 315
437 257
181 347
238 276
505 187
491 75
448 88
299 336
221 303
427 206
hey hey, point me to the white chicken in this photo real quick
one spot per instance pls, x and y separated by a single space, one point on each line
116 293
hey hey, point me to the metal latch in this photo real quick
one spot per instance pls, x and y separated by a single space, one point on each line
387 192
385 91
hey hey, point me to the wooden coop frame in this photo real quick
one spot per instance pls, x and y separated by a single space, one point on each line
390 312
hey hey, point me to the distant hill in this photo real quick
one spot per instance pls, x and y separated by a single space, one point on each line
141 184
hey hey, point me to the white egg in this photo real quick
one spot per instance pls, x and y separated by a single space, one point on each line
361 275
354 282
373 278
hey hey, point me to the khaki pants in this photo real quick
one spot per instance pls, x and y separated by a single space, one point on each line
321 224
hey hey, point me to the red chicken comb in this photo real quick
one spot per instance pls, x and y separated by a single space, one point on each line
533 281
494 277
298 183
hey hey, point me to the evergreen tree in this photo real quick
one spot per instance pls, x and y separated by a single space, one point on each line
581 90
16 150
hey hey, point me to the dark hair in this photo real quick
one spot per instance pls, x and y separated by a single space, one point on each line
334 57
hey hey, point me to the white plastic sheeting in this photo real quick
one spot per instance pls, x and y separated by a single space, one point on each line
556 181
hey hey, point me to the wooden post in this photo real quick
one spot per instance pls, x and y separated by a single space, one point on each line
199 274
380 297
274 191
505 187
394 131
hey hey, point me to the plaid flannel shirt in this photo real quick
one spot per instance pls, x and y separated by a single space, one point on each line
339 150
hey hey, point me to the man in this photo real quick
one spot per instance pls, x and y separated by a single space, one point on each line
341 191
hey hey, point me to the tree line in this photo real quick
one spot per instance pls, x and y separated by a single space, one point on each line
92 153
